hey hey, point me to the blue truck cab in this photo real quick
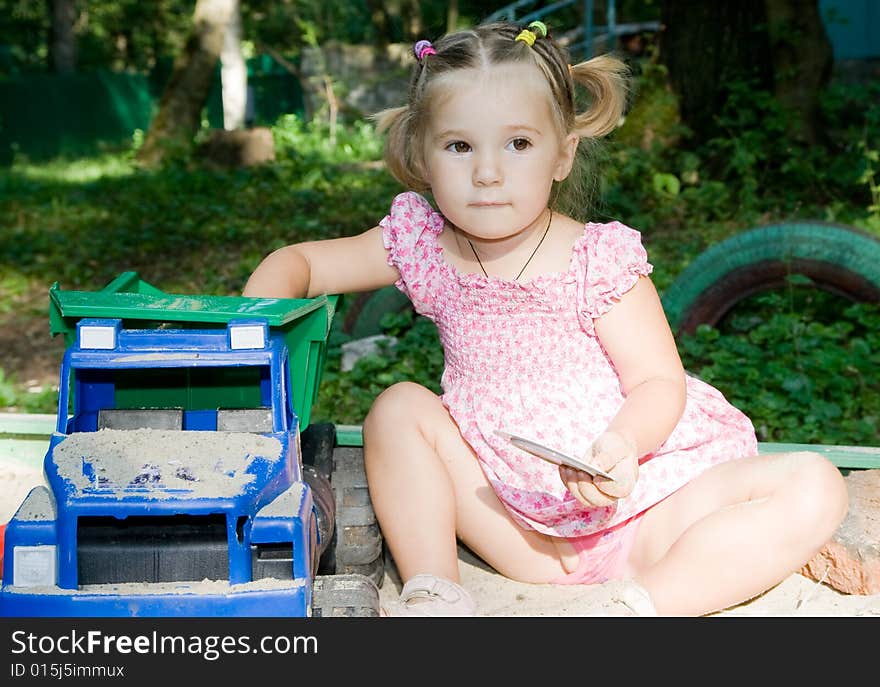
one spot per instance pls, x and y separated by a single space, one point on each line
176 479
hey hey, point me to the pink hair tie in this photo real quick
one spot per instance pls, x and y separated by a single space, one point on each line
422 49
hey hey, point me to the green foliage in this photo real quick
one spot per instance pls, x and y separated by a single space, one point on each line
8 392
23 34
685 195
308 145
270 21
147 36
123 34
417 356
869 177
800 367
15 397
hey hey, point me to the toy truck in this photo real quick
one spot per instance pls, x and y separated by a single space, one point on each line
184 475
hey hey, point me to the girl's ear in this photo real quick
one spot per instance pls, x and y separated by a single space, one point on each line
567 151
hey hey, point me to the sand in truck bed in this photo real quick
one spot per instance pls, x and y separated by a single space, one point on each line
163 464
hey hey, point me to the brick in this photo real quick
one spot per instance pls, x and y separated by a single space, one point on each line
850 562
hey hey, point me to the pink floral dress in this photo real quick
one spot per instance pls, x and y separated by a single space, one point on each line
524 358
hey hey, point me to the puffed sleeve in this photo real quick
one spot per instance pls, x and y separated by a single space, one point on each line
612 259
409 232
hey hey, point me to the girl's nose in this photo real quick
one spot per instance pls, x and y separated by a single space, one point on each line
487 170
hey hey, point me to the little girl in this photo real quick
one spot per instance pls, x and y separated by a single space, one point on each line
551 329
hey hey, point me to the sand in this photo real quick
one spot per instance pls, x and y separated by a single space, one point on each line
498 596
162 463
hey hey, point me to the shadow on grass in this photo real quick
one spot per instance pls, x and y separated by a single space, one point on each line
185 230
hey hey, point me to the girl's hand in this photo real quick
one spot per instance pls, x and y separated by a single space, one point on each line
614 454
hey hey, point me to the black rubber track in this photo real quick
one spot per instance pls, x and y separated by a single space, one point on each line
357 546
349 596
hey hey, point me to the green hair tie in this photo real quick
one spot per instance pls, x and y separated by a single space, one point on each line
539 28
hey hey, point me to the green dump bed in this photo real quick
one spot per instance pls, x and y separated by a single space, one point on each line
305 322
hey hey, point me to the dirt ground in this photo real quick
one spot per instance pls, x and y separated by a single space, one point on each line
28 354
495 595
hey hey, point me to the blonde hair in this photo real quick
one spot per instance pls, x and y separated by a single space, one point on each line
603 78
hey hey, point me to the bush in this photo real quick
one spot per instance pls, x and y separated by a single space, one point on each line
800 366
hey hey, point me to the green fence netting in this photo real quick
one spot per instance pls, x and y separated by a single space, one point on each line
46 115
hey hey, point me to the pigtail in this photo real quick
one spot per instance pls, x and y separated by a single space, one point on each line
397 121
605 78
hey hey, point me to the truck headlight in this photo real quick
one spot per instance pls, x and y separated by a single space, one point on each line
246 334
34 566
98 334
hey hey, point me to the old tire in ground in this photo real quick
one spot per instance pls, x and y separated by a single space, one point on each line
837 258
357 545
364 314
350 596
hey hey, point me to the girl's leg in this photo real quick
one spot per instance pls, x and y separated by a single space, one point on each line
737 530
426 486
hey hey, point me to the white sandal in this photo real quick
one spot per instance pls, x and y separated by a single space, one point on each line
625 598
431 596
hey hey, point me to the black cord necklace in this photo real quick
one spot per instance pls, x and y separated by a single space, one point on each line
516 278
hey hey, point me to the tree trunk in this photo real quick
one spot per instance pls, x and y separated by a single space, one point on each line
62 40
381 23
171 132
411 13
452 16
233 74
707 45
384 14
802 62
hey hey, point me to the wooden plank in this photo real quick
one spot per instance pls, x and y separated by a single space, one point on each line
24 423
349 435
847 457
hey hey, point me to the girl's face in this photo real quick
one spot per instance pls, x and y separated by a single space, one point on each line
492 151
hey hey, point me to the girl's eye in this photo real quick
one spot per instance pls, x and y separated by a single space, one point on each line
458 147
520 144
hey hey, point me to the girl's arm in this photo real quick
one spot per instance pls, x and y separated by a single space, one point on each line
637 339
304 270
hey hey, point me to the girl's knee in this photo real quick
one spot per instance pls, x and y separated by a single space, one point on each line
821 487
396 405
400 398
